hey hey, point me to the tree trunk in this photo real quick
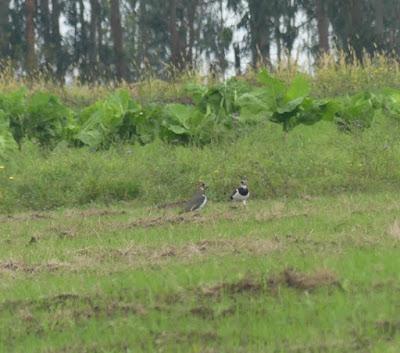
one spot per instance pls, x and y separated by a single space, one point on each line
45 23
56 40
356 35
142 37
192 33
83 44
94 18
30 58
238 65
92 31
278 38
259 33
175 45
116 31
379 23
4 31
99 36
323 26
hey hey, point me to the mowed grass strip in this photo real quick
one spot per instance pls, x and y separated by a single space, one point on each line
301 275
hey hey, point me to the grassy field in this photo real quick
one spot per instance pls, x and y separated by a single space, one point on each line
310 274
316 161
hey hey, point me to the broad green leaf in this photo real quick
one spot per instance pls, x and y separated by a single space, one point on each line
299 88
290 106
276 86
179 130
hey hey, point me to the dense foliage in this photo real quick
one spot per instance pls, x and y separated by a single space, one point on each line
209 114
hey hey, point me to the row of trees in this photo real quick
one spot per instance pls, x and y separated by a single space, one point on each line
124 39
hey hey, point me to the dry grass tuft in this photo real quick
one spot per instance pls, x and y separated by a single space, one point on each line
303 281
394 230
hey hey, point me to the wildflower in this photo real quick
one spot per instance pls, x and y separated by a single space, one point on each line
11 178
1 166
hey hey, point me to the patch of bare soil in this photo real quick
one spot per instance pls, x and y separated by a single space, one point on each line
101 212
303 281
204 312
74 306
197 218
167 338
288 278
136 253
244 285
13 266
19 266
25 217
66 233
332 346
107 310
164 220
139 255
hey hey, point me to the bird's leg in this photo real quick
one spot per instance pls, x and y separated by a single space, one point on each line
245 203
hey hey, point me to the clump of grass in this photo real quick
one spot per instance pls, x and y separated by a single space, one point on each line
337 75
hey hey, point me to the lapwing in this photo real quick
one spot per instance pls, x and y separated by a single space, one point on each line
241 193
198 201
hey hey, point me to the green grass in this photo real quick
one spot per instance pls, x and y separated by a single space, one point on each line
129 278
317 160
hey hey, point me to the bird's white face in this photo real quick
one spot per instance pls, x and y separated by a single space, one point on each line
243 184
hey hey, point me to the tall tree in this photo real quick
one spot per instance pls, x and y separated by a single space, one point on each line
95 14
116 31
60 58
260 30
323 26
192 12
45 33
379 18
4 28
30 56
176 54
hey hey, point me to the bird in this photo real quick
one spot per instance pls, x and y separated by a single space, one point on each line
198 201
242 193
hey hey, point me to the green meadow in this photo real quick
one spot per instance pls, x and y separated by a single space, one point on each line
311 274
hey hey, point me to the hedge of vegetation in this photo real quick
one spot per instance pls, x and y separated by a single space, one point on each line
208 114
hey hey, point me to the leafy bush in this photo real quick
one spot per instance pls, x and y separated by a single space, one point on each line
48 120
354 113
13 108
101 123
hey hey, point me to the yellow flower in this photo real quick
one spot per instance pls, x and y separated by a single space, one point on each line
1 166
11 178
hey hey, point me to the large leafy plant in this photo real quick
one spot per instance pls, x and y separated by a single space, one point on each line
14 110
116 118
215 109
354 113
182 123
48 120
290 106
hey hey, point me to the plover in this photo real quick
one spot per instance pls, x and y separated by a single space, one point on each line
241 193
198 201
